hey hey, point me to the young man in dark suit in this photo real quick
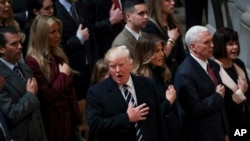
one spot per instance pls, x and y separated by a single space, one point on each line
118 114
201 91
18 101
79 43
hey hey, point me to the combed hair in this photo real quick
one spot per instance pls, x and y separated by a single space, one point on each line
192 35
145 50
128 5
3 31
117 52
220 39
38 46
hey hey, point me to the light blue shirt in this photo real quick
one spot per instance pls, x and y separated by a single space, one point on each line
9 65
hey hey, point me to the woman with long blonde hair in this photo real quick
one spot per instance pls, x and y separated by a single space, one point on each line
59 106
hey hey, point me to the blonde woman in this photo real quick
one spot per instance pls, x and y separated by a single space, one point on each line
50 66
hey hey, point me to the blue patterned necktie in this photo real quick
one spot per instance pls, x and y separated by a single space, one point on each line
73 13
129 98
18 72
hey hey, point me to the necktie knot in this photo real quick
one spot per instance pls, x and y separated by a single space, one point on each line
16 68
127 94
125 86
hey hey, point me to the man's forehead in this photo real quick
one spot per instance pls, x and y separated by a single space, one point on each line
140 7
12 37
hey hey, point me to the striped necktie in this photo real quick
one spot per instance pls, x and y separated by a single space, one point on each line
129 98
18 72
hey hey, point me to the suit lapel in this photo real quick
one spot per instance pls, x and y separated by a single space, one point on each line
63 14
140 95
129 35
116 95
201 72
25 71
12 79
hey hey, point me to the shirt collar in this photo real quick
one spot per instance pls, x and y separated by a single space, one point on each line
136 35
129 83
201 62
65 4
9 65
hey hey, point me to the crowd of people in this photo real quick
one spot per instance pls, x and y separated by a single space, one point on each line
118 70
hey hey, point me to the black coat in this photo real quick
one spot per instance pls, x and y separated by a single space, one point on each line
107 117
104 31
205 118
170 112
76 52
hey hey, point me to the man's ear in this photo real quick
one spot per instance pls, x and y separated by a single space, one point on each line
192 47
36 12
127 16
1 50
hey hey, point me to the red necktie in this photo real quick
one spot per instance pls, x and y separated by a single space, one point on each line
211 74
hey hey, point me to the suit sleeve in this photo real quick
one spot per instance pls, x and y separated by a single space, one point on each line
14 107
190 92
101 124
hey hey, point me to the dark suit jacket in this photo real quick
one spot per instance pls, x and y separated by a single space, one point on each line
127 39
21 108
204 118
19 8
72 46
107 117
105 32
4 129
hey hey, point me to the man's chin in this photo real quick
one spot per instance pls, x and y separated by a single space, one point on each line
119 81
